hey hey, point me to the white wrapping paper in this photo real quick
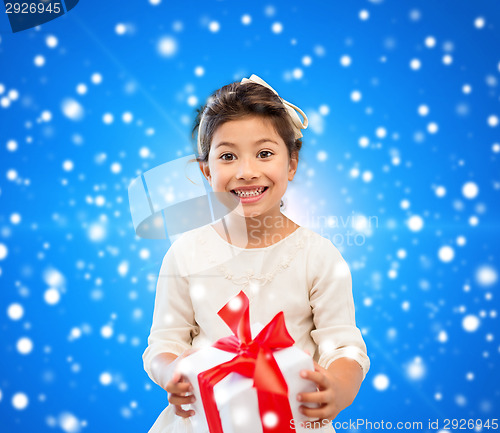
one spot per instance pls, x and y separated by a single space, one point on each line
235 395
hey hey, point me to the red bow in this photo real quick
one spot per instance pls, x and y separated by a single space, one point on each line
254 359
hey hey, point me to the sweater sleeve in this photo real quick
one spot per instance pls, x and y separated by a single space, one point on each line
173 326
332 304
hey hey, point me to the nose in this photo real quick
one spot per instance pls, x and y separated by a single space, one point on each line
246 169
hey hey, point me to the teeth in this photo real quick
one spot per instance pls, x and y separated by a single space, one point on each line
249 193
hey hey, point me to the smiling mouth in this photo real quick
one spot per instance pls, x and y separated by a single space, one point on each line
249 194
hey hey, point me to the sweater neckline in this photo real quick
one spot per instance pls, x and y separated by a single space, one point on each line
218 236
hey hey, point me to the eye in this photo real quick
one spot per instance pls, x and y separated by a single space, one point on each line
226 154
266 151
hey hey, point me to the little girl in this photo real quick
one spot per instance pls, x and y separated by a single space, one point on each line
249 140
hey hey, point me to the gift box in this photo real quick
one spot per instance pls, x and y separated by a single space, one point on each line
248 382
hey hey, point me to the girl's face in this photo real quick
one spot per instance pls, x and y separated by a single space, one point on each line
249 153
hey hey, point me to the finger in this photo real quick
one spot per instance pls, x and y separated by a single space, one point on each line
317 377
179 388
318 367
317 423
183 413
183 379
176 377
179 384
180 399
321 412
321 397
179 377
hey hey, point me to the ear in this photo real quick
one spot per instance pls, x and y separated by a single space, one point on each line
293 163
205 169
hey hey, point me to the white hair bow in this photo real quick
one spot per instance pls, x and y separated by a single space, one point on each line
290 108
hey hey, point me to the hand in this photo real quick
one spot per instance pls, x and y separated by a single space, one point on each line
328 397
180 390
179 393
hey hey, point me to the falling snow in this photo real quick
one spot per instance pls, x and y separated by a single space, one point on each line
403 134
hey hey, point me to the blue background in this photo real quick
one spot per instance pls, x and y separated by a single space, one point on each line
430 323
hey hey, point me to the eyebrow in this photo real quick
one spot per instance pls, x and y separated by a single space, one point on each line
262 140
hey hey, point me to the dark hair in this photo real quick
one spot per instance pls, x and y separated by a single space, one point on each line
235 101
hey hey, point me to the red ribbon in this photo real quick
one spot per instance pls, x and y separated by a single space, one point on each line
255 360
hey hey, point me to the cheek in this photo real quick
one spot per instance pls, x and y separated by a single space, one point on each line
220 176
284 173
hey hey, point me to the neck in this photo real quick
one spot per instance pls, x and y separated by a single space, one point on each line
257 231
